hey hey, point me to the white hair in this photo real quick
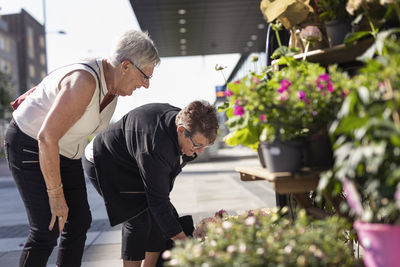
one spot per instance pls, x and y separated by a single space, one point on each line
137 47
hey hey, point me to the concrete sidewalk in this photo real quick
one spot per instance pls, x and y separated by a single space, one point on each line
200 190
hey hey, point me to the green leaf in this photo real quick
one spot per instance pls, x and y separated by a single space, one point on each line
350 123
356 36
223 107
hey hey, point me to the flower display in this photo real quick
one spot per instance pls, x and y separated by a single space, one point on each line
298 100
266 237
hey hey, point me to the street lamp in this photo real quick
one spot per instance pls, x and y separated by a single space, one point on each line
48 32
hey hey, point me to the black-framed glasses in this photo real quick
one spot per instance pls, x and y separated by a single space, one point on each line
195 146
144 74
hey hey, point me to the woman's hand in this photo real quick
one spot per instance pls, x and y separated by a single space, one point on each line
58 208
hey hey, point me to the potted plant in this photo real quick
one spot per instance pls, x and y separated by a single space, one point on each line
367 149
266 238
337 20
282 109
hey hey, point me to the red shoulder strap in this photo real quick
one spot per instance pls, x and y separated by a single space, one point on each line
21 99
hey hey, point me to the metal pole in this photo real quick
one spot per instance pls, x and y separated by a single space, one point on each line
44 33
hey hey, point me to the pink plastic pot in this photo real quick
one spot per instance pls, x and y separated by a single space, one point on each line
381 243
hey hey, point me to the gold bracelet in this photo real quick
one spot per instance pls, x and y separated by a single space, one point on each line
55 188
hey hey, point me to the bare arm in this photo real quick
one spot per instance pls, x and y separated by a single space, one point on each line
76 91
181 235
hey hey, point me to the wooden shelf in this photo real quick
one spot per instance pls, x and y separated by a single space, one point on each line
283 182
340 54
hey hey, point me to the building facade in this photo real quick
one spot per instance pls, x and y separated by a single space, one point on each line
8 57
29 36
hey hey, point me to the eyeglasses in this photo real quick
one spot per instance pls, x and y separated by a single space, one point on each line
144 75
195 146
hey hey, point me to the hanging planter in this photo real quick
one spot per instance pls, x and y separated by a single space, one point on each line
380 242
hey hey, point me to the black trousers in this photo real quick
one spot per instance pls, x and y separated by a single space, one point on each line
23 159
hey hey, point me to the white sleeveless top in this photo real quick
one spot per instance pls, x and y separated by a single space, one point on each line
31 113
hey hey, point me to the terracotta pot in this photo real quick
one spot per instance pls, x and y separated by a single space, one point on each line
381 243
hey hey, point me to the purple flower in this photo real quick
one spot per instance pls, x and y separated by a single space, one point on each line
397 197
262 117
301 95
238 111
228 93
314 113
352 197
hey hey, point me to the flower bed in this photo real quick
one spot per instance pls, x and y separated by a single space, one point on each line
265 238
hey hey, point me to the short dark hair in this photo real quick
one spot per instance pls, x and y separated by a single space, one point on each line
199 117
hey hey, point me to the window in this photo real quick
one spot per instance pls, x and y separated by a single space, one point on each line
30 42
42 59
5 66
2 42
32 72
41 41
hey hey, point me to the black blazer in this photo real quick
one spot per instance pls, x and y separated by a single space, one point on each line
136 161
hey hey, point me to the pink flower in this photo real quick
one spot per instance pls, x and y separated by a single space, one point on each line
237 81
311 33
256 80
238 111
324 77
285 83
282 89
352 197
221 213
228 93
320 85
262 117
301 95
330 87
283 97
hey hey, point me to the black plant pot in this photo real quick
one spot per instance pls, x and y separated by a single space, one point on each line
336 31
261 154
283 156
318 151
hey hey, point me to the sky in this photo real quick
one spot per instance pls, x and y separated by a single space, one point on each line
92 26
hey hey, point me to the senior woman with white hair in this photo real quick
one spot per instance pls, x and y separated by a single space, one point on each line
49 132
